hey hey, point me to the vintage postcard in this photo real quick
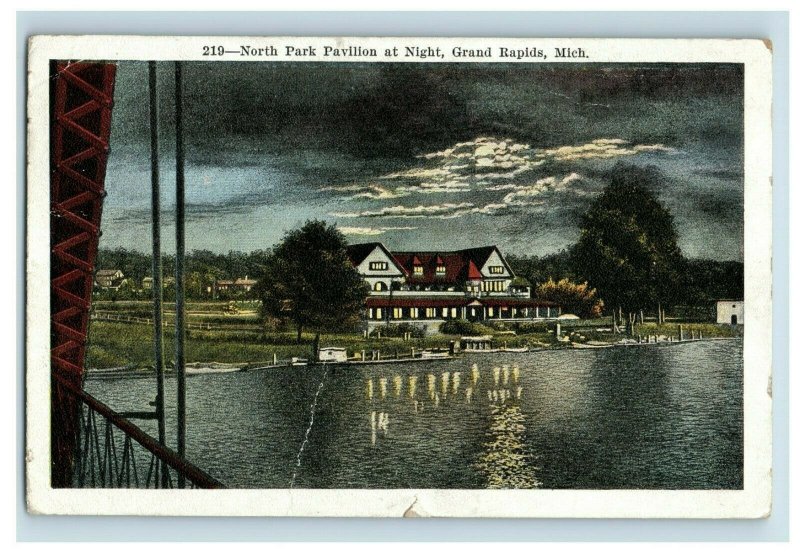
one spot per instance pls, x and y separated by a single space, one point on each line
292 276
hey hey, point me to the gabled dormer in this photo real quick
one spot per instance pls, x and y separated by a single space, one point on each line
495 267
441 268
374 260
417 268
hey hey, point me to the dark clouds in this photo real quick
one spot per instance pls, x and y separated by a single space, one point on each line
269 144
400 110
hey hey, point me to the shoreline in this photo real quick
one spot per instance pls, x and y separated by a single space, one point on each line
217 368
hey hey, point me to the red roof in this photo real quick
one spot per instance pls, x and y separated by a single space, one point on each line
459 265
474 273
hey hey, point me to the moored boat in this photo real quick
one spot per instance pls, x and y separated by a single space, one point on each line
590 345
433 354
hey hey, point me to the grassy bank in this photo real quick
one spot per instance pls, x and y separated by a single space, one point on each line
241 339
707 330
114 344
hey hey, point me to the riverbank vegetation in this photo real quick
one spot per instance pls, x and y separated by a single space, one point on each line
127 344
113 344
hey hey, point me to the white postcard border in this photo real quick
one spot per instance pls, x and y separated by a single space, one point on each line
751 502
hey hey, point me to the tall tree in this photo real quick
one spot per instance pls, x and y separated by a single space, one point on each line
628 247
309 280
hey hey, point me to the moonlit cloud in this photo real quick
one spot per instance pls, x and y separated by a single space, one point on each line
401 211
436 187
522 195
498 169
370 231
421 173
376 192
603 148
487 164
368 191
343 188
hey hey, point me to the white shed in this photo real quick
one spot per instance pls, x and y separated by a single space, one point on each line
730 312
332 355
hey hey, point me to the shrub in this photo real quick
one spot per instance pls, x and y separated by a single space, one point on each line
464 328
530 328
577 299
399 330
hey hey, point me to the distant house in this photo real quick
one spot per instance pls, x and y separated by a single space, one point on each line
427 288
730 312
147 282
109 279
236 286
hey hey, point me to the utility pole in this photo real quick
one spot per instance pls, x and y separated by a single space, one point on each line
158 289
180 253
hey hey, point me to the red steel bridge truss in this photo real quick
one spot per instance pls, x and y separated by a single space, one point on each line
91 445
81 101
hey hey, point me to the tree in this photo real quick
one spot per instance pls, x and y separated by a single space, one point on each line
309 280
578 299
536 269
628 247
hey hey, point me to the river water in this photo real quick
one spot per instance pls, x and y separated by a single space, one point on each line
639 417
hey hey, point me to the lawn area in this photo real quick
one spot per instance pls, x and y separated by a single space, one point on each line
708 330
113 344
241 339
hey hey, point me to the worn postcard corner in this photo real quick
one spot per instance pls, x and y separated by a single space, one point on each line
399 277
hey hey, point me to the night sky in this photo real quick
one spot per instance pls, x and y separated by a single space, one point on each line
428 157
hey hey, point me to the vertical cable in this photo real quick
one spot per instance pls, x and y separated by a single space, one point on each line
158 344
180 252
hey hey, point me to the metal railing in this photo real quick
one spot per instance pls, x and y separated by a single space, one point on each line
112 452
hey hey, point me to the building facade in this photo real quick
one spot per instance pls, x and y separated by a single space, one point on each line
234 287
730 312
428 288
109 279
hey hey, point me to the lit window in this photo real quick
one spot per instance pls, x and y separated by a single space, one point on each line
378 266
440 270
496 270
430 312
453 313
414 312
379 286
397 313
379 313
491 311
418 270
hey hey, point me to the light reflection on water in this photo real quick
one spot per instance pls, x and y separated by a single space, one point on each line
656 417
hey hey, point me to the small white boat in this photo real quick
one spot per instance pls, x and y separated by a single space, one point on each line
590 345
523 349
332 355
298 362
431 354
